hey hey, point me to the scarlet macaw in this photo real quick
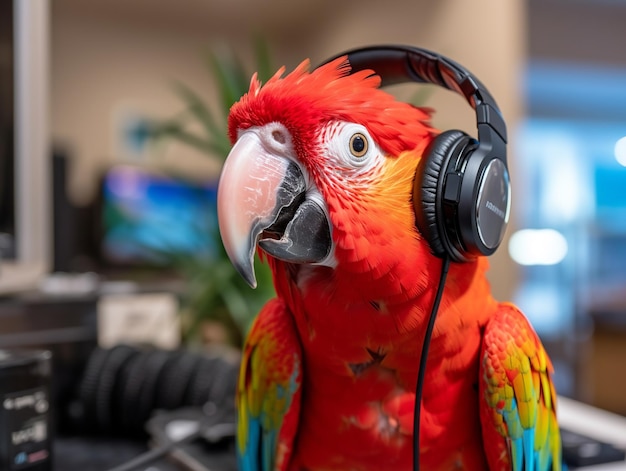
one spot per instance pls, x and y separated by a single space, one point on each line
320 179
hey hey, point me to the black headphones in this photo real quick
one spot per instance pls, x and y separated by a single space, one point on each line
462 190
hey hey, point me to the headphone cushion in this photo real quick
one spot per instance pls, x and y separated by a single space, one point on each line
425 187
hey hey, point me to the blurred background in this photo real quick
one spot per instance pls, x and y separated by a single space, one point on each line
137 92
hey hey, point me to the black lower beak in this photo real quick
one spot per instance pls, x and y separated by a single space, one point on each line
306 237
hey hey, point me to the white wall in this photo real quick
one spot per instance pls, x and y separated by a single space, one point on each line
102 72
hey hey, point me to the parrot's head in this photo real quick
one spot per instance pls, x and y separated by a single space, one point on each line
321 174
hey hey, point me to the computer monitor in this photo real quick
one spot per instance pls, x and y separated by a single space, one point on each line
149 219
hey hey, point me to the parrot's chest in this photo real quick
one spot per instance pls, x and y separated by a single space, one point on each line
363 412
358 405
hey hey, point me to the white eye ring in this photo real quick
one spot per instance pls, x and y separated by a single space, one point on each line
353 146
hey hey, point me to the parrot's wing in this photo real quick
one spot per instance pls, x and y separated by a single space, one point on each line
269 391
518 400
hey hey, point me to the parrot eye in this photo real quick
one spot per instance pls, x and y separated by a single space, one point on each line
358 145
351 147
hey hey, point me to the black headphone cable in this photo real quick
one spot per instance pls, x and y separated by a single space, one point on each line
422 366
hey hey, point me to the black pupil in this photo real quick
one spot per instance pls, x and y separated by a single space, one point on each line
358 144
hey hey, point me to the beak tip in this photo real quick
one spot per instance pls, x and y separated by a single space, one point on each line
246 271
251 282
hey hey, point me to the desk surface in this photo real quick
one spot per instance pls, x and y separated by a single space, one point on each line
594 423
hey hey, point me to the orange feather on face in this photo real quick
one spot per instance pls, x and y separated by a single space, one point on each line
355 315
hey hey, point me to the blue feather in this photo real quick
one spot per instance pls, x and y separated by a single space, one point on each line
249 460
269 449
529 449
516 454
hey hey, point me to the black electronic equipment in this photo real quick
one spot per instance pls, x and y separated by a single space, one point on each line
25 415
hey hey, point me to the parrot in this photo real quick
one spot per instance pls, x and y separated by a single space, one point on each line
318 183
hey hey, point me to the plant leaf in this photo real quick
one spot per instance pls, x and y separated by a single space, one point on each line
191 139
263 61
197 108
232 80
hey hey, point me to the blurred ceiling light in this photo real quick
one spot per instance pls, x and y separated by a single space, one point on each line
620 151
538 247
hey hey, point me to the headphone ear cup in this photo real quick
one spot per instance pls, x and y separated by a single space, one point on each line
427 189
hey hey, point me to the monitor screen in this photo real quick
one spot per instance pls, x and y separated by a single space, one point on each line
150 219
